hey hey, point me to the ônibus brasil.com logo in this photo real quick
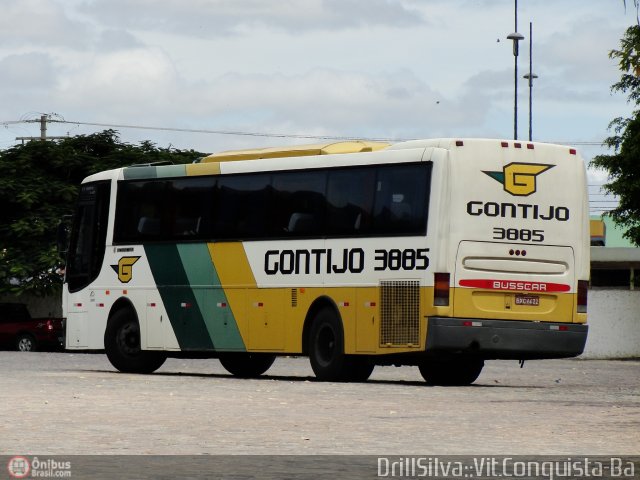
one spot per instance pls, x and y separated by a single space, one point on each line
21 467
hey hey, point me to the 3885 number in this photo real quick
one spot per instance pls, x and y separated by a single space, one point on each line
515 234
396 259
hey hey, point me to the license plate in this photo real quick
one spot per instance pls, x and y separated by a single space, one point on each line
531 300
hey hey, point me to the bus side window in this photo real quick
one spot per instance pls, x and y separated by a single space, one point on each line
400 209
240 207
149 226
300 223
188 202
299 203
350 194
139 211
401 199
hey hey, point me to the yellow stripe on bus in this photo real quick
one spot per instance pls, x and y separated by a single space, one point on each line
194 169
232 264
237 280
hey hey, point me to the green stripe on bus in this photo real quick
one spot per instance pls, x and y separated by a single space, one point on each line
141 173
212 301
133 173
171 171
178 297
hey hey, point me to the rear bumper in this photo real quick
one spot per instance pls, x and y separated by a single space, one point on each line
505 339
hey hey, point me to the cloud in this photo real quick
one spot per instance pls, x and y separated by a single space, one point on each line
120 83
380 68
26 72
113 39
141 86
39 22
340 102
215 18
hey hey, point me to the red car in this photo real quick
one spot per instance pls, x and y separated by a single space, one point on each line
23 333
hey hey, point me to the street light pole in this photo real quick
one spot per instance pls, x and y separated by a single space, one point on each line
530 76
516 37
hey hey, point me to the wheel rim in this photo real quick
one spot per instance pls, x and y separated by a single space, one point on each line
128 339
25 345
326 345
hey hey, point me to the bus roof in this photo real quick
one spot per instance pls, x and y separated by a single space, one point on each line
354 146
211 164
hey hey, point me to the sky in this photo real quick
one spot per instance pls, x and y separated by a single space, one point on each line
279 71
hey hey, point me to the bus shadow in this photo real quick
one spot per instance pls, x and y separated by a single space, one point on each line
311 379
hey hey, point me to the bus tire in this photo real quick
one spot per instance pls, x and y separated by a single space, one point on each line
326 347
359 368
122 345
453 372
246 365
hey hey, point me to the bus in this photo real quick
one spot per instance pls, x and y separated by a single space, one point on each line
438 253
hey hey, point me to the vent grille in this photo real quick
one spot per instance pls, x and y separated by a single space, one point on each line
294 297
399 312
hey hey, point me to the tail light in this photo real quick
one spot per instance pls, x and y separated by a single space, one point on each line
583 286
50 325
441 289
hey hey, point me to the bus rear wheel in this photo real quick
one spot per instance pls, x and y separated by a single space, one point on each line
326 347
246 365
122 345
359 368
451 372
326 352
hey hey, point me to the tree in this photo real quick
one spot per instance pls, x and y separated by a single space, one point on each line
623 165
39 185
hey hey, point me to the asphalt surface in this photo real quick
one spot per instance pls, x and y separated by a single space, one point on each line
77 404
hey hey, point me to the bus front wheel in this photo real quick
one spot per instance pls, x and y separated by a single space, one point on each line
122 345
451 372
246 365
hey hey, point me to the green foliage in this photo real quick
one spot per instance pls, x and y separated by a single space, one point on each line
623 166
39 185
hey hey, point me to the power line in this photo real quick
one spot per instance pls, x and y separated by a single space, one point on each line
224 132
193 130
252 134
46 118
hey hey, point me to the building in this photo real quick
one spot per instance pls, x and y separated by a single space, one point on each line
614 295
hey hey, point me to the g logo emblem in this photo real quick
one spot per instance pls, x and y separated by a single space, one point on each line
519 179
124 268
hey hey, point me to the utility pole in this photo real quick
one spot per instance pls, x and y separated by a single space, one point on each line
43 127
516 37
530 76
43 131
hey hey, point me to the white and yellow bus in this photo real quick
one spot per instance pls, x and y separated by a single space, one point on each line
437 253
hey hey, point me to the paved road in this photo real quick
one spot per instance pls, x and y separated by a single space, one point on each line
62 404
